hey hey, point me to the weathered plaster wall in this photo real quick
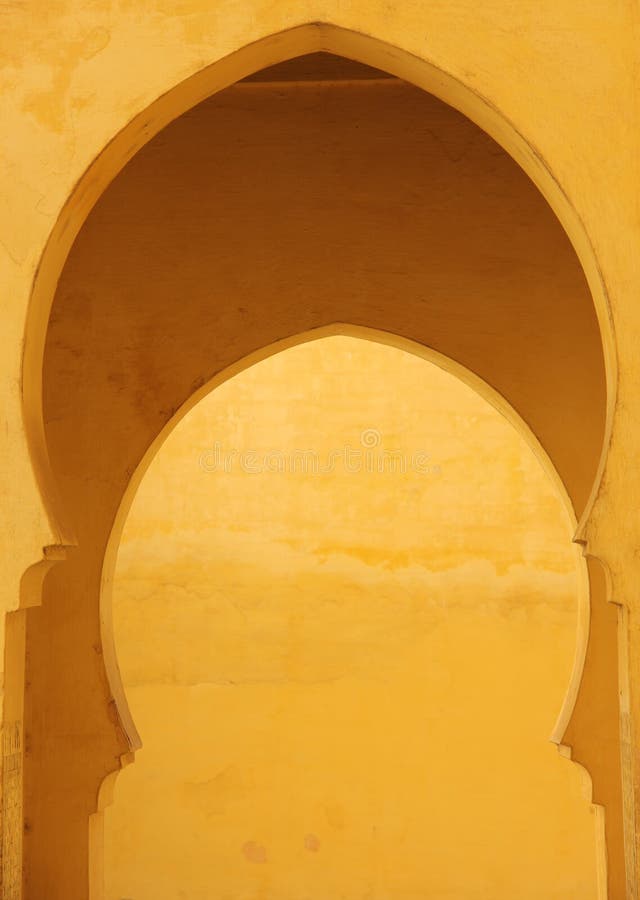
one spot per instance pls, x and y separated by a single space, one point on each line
560 74
267 211
345 681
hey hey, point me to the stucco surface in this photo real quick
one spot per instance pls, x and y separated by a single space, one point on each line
83 89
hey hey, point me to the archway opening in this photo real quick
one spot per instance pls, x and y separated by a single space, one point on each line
346 609
283 204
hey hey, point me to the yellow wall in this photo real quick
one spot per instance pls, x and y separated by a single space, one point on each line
345 681
84 87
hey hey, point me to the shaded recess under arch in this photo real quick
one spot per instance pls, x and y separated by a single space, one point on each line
315 37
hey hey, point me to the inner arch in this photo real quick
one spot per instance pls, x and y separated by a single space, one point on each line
352 658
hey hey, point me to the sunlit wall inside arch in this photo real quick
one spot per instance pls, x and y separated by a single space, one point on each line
345 611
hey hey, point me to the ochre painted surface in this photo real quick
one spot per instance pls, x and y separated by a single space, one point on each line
345 678
84 87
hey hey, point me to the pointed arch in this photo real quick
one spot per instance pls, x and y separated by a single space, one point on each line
269 50
488 393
